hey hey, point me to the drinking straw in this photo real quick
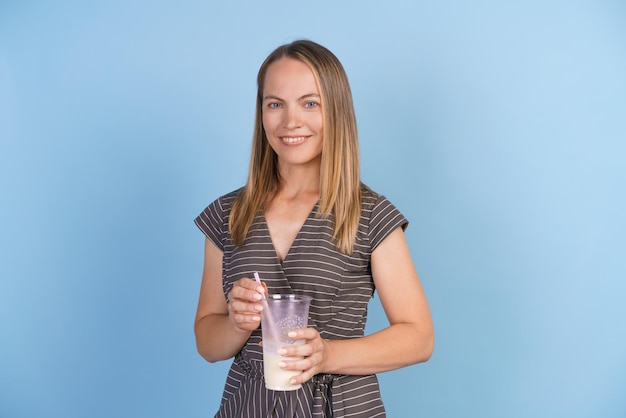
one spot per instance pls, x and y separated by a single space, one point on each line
268 316
258 280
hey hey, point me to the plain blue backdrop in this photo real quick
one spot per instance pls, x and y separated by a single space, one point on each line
497 127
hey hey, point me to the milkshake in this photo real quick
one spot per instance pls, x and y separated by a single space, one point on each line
275 377
282 314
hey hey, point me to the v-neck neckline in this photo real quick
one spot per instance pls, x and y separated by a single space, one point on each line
311 214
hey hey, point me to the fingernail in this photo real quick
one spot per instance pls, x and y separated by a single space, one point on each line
260 289
256 318
292 334
256 296
281 352
293 381
258 307
282 364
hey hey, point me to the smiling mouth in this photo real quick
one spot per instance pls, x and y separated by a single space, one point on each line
293 139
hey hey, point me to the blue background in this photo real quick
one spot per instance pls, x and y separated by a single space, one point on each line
498 128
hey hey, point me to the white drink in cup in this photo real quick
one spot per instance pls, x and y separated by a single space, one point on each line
282 314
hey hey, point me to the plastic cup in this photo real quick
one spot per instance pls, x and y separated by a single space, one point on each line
283 314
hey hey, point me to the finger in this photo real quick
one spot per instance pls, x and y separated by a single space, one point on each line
303 350
288 363
245 293
249 284
306 365
304 334
242 307
254 287
302 377
246 322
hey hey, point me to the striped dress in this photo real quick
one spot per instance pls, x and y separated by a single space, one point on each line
341 286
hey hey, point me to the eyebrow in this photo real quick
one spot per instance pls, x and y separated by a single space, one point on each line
305 96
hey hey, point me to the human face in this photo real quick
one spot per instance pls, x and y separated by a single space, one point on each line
292 114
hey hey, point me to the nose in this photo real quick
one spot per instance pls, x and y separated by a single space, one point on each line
292 117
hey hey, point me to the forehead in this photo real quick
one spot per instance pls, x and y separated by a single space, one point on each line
288 76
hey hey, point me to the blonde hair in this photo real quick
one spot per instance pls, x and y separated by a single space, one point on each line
340 183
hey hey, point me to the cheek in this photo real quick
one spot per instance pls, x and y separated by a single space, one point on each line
269 122
319 124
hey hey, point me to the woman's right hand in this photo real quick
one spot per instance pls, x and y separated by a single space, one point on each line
244 304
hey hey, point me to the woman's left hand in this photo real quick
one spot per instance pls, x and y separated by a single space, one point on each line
313 353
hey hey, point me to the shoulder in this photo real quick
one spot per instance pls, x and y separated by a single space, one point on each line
230 197
372 201
218 211
224 203
379 216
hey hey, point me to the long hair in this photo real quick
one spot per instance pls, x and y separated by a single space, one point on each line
340 183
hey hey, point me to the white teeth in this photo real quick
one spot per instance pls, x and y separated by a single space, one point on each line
293 140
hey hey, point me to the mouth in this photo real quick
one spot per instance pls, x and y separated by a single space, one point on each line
293 140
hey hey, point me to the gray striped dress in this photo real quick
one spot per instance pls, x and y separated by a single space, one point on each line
341 286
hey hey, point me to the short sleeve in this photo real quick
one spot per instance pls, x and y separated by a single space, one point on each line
213 223
385 218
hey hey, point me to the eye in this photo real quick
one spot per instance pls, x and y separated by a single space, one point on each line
273 105
311 105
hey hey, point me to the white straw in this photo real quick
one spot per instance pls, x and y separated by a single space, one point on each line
268 314
258 280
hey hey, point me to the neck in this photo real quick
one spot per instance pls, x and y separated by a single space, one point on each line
296 180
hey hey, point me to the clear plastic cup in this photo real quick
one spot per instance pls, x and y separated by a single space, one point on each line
282 314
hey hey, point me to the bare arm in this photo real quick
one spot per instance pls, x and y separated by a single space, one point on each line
222 329
408 339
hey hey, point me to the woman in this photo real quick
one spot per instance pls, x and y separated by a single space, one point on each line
308 225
